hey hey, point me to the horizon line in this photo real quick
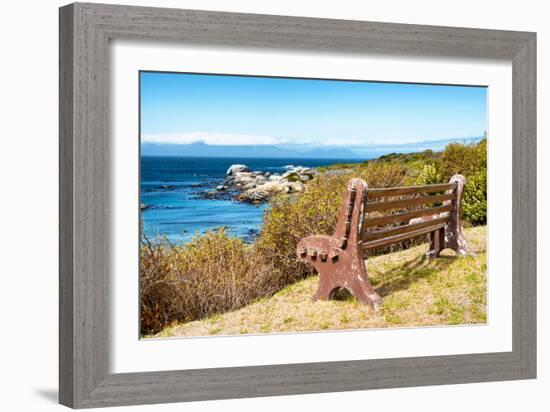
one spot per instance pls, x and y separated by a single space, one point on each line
287 144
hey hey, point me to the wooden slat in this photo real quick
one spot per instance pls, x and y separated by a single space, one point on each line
392 231
404 236
406 216
416 201
409 190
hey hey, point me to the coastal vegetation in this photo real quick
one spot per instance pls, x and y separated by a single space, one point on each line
216 273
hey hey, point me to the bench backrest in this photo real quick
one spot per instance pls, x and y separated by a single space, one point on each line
391 215
418 209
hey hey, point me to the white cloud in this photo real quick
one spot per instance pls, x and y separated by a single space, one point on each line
215 139
219 139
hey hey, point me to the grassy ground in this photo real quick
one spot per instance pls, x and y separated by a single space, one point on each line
416 292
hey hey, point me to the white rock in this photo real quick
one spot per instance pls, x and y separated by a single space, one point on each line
243 177
261 192
297 186
233 169
271 187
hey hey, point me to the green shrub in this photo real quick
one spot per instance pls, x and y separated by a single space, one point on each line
463 159
380 174
474 201
470 161
429 175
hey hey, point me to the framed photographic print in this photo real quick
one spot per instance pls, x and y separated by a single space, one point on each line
242 194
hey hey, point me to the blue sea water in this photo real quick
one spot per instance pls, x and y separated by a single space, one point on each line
170 186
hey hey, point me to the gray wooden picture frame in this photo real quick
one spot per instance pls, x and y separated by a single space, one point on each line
85 32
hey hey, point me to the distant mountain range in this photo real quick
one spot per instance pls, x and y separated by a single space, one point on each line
201 149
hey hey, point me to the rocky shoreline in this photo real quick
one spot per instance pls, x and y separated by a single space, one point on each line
243 185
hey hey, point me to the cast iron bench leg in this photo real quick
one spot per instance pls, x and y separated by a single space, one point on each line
339 259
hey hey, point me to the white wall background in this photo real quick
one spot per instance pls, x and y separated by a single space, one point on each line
29 192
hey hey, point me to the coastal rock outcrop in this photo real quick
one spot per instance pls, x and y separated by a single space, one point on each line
244 185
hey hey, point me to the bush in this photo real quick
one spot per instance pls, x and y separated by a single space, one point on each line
213 273
429 175
463 159
470 161
474 201
380 174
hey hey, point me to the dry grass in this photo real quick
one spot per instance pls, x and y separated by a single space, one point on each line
213 273
416 292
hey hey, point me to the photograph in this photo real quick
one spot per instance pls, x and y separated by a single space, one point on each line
280 205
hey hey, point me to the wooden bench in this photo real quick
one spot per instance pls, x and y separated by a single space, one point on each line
367 220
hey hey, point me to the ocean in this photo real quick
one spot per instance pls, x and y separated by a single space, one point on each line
170 195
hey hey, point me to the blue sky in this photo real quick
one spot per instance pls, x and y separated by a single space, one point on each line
188 108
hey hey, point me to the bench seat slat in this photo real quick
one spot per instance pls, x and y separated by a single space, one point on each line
397 204
409 190
404 236
384 233
406 216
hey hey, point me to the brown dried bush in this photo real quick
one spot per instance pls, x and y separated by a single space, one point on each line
213 273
